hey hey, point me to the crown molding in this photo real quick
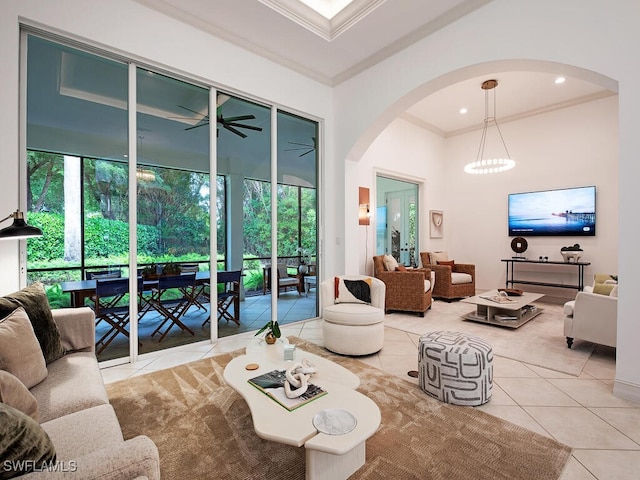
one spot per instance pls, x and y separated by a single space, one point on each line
325 28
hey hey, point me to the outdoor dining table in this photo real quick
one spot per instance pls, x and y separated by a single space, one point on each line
80 290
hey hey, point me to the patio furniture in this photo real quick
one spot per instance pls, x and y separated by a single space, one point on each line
285 279
107 307
228 297
173 308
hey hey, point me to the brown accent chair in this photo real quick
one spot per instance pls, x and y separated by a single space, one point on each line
451 283
406 291
285 279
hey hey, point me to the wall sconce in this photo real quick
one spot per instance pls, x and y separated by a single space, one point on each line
19 229
364 213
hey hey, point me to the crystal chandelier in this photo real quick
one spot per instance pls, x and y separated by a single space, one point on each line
484 165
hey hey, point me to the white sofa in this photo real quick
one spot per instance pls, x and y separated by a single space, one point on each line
353 328
592 317
76 414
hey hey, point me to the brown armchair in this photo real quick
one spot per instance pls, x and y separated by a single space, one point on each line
406 291
451 282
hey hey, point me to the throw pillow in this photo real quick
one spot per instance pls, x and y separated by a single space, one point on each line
603 288
614 292
435 257
401 268
450 263
24 445
390 263
34 301
16 395
352 291
20 353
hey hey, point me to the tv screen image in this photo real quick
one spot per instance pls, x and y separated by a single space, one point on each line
567 212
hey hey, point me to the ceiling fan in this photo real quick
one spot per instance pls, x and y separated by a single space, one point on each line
303 146
230 123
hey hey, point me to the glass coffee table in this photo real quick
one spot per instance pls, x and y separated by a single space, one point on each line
511 313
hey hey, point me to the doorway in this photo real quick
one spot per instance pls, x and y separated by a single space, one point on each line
397 219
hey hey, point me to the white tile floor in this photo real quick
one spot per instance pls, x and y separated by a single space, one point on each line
581 412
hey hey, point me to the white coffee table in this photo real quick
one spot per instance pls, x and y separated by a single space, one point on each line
511 315
327 456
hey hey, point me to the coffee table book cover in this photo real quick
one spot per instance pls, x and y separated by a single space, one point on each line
272 384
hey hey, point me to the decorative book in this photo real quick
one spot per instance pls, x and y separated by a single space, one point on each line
272 384
498 298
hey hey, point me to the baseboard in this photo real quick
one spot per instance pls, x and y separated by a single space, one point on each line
626 390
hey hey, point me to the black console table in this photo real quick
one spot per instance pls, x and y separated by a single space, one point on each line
511 281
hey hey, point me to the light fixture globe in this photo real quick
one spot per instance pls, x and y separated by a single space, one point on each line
493 165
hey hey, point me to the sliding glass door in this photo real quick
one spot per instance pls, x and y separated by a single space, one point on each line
82 193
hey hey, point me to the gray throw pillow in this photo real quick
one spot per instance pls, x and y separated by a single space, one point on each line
24 445
15 394
34 301
20 353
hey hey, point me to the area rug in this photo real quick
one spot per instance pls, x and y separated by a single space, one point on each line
203 430
539 342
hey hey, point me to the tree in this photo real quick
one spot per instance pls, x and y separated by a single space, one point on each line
73 209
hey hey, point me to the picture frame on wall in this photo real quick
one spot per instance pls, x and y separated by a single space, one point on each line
436 222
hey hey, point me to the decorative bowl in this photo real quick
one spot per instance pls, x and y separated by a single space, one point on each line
571 256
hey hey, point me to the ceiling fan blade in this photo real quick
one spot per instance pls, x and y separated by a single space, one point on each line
303 144
242 125
237 132
201 124
239 118
306 153
192 111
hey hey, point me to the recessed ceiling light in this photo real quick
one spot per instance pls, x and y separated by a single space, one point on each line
463 110
559 80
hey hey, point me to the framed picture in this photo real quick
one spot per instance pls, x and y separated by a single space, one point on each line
436 218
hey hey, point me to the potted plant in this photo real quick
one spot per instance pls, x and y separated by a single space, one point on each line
171 268
273 331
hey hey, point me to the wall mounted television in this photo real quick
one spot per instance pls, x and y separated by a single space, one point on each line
562 212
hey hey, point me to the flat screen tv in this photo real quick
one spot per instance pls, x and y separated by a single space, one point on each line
563 212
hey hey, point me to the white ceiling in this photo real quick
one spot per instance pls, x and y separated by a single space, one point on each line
366 32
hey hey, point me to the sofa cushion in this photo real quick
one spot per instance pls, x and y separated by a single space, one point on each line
460 278
16 395
614 292
34 301
74 383
352 314
24 444
352 291
20 352
390 263
99 426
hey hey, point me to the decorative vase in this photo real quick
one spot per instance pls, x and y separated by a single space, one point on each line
303 269
270 338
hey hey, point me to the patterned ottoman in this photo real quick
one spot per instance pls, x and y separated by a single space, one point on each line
455 367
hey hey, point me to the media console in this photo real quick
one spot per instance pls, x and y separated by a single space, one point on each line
511 280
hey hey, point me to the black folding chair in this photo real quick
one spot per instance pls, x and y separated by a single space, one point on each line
228 297
107 307
173 309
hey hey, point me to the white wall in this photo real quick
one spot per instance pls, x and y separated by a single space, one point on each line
586 37
571 147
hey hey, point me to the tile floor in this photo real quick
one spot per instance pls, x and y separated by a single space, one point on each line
581 412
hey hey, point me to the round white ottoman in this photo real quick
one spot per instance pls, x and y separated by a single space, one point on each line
353 329
455 367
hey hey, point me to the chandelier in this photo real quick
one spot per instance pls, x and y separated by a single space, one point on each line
484 165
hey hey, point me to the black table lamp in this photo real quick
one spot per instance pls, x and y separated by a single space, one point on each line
19 229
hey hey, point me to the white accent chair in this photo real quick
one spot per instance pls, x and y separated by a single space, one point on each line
592 317
353 328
